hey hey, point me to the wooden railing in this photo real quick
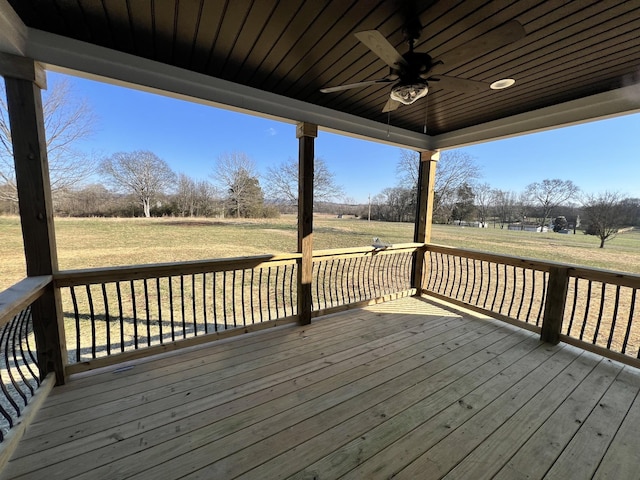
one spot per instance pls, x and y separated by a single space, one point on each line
152 307
591 308
357 276
139 310
19 370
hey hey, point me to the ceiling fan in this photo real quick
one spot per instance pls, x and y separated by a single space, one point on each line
413 72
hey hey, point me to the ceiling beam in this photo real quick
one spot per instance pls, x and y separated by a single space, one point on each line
13 33
90 61
616 102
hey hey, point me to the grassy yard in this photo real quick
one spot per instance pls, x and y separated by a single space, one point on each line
98 242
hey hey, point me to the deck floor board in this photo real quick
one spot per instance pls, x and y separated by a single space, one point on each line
406 389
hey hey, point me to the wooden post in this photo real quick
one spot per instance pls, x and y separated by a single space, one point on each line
23 80
424 212
306 134
554 304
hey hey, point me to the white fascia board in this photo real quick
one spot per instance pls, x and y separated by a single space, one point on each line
13 33
620 101
90 61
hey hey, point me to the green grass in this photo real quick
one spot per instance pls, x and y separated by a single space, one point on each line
99 242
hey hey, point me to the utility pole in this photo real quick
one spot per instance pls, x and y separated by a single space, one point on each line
369 217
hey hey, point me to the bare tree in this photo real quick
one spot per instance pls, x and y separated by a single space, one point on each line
282 182
549 194
605 215
68 119
236 174
141 173
483 195
194 198
454 170
505 204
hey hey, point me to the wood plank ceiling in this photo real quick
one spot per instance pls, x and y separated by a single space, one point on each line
293 48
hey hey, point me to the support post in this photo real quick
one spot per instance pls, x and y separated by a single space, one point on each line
554 305
23 80
424 212
306 134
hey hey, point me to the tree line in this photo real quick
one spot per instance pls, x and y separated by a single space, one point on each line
460 198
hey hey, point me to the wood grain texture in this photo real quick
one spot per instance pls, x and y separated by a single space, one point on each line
404 388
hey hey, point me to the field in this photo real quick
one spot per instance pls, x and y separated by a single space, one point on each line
98 242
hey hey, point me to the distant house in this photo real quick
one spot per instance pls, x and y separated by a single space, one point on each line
527 227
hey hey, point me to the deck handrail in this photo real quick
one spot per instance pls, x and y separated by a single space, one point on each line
18 356
121 311
589 307
20 295
66 278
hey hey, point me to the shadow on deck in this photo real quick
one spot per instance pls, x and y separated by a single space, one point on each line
407 389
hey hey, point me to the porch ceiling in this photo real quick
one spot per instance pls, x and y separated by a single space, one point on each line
573 52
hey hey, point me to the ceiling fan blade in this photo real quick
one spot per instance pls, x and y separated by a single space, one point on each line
501 36
458 84
349 86
390 106
381 47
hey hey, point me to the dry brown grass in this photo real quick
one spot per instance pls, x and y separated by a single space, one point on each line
99 242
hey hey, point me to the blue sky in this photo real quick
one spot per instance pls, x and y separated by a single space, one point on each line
597 156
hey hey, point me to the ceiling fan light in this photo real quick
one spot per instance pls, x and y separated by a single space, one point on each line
407 94
501 84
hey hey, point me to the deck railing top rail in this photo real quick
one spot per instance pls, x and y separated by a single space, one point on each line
588 273
86 276
19 296
369 250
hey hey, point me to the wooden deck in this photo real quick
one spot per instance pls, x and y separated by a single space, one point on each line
404 389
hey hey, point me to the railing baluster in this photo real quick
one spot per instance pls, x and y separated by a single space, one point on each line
233 298
629 322
513 291
194 314
253 308
182 308
523 289
486 295
466 282
74 301
224 298
586 310
495 290
242 286
268 293
120 315
574 304
204 303
454 276
533 291
473 281
171 311
93 322
260 294
147 314
3 386
11 339
135 315
504 288
614 316
215 302
107 323
291 284
159 310
601 310
25 319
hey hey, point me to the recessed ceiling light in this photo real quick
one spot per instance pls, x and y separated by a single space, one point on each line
500 84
